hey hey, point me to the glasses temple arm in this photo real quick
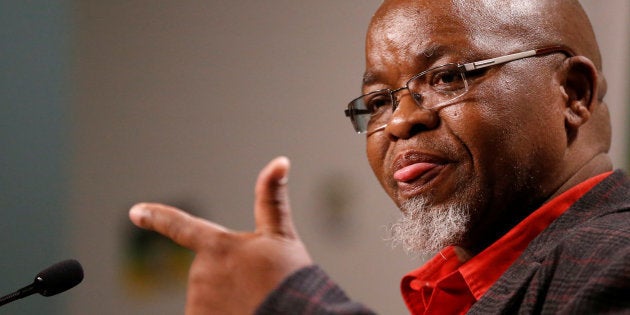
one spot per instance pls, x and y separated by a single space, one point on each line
520 55
498 60
353 111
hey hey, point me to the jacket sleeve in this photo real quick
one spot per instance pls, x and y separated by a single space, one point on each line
309 291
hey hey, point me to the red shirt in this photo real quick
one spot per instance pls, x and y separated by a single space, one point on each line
444 285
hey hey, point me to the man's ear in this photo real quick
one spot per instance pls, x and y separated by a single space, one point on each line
581 88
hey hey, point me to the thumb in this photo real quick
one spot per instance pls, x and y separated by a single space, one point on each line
271 208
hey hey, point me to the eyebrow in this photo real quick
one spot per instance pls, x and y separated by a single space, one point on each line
368 78
430 53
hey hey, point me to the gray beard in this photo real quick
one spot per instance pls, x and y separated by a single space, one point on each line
424 230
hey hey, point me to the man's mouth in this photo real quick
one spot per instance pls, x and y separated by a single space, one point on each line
414 173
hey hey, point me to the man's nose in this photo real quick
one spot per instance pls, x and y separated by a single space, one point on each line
409 118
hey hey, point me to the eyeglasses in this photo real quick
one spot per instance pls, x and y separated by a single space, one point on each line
430 89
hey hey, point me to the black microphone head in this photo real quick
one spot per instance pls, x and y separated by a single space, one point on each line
58 277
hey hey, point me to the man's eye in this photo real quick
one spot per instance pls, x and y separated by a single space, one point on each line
417 97
445 77
377 103
447 80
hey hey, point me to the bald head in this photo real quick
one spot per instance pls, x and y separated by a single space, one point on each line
541 22
511 24
538 23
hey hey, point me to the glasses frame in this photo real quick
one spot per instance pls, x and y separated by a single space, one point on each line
352 112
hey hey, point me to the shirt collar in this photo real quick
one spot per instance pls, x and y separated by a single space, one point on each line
480 272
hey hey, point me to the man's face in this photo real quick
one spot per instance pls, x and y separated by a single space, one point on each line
494 150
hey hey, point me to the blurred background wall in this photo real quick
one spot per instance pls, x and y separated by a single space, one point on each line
107 103
35 66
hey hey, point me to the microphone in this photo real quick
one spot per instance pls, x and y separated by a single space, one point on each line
50 281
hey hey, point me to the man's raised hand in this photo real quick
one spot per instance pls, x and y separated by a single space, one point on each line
234 271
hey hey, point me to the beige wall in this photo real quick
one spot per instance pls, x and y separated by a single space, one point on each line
611 20
184 101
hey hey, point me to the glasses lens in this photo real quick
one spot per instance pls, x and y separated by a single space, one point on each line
370 110
430 89
438 86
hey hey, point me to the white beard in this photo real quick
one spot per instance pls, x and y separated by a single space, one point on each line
424 230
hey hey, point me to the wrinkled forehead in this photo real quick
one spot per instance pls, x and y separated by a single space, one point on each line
491 26
398 21
410 13
414 31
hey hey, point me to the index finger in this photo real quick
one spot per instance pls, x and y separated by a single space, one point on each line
181 227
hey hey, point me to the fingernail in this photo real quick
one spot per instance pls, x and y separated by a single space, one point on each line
137 213
283 160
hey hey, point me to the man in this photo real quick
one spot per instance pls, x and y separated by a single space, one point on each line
485 124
